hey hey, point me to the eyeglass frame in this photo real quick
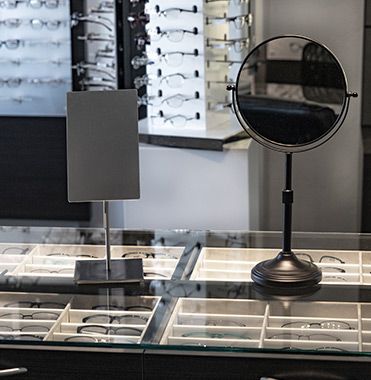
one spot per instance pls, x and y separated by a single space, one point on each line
214 335
160 13
169 118
99 20
168 33
273 337
182 97
123 308
113 318
30 316
35 304
108 329
23 251
23 327
148 254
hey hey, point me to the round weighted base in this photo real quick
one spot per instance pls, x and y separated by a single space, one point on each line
286 270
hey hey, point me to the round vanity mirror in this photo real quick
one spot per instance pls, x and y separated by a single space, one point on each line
291 95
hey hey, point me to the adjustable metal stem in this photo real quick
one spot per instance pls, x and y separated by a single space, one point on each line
287 200
286 270
107 234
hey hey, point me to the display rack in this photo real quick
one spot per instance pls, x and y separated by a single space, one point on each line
35 58
130 31
230 35
194 51
94 45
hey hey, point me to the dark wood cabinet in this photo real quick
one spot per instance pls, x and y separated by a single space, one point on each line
70 365
187 366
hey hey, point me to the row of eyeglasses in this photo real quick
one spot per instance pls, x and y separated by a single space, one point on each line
226 50
34 23
165 107
14 82
12 21
177 35
35 4
15 43
175 58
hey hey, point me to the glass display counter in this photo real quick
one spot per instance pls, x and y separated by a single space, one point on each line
196 314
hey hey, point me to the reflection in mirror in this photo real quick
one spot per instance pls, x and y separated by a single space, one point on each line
291 91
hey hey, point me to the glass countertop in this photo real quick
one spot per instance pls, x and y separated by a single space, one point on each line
196 293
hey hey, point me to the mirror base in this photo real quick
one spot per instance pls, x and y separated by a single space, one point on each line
286 270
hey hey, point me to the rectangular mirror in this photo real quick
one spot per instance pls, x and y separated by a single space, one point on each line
102 145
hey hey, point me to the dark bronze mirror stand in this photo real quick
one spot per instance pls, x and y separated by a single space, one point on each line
286 270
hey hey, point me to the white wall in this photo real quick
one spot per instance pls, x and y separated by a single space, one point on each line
327 180
196 189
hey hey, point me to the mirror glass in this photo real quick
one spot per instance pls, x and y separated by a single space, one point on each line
290 93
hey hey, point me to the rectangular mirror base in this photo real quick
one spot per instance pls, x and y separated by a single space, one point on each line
121 271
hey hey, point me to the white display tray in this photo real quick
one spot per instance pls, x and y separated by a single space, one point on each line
235 264
54 317
58 260
259 324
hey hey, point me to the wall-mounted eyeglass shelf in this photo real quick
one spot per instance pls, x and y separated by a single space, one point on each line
216 137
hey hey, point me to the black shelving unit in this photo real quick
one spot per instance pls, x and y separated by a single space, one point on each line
77 45
126 47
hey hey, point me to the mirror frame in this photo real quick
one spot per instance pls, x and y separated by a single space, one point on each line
289 148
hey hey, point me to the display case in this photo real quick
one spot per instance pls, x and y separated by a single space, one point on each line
195 320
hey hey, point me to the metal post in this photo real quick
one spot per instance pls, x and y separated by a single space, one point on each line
287 200
107 234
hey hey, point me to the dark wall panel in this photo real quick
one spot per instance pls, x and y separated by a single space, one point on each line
366 99
33 174
368 13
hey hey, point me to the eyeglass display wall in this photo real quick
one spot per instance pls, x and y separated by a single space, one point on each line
94 45
190 51
35 57
106 36
194 50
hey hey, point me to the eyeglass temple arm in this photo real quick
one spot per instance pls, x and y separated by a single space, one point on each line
12 371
